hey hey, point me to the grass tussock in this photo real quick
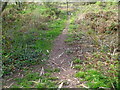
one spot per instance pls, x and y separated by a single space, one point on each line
97 68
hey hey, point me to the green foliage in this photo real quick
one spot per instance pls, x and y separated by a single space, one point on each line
80 74
52 70
26 39
76 61
32 80
77 67
73 37
69 39
94 79
99 3
52 10
52 78
46 37
47 74
97 79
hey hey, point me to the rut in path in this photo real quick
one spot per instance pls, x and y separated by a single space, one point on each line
60 59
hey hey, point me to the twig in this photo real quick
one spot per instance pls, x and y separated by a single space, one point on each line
42 71
48 51
60 86
83 85
55 63
60 55
10 85
9 79
22 76
105 88
63 68
36 82
114 51
19 74
62 61
113 86
71 64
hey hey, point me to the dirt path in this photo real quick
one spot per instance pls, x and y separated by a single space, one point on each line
60 59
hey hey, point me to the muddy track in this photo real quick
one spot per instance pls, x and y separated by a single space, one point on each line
60 59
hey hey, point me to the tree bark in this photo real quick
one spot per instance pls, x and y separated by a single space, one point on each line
4 6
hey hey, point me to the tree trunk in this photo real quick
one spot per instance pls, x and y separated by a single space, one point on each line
67 9
4 6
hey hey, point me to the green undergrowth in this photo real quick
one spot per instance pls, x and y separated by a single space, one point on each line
104 73
98 68
34 80
47 37
95 79
28 35
76 61
73 37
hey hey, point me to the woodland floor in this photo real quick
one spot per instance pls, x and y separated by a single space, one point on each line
61 57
